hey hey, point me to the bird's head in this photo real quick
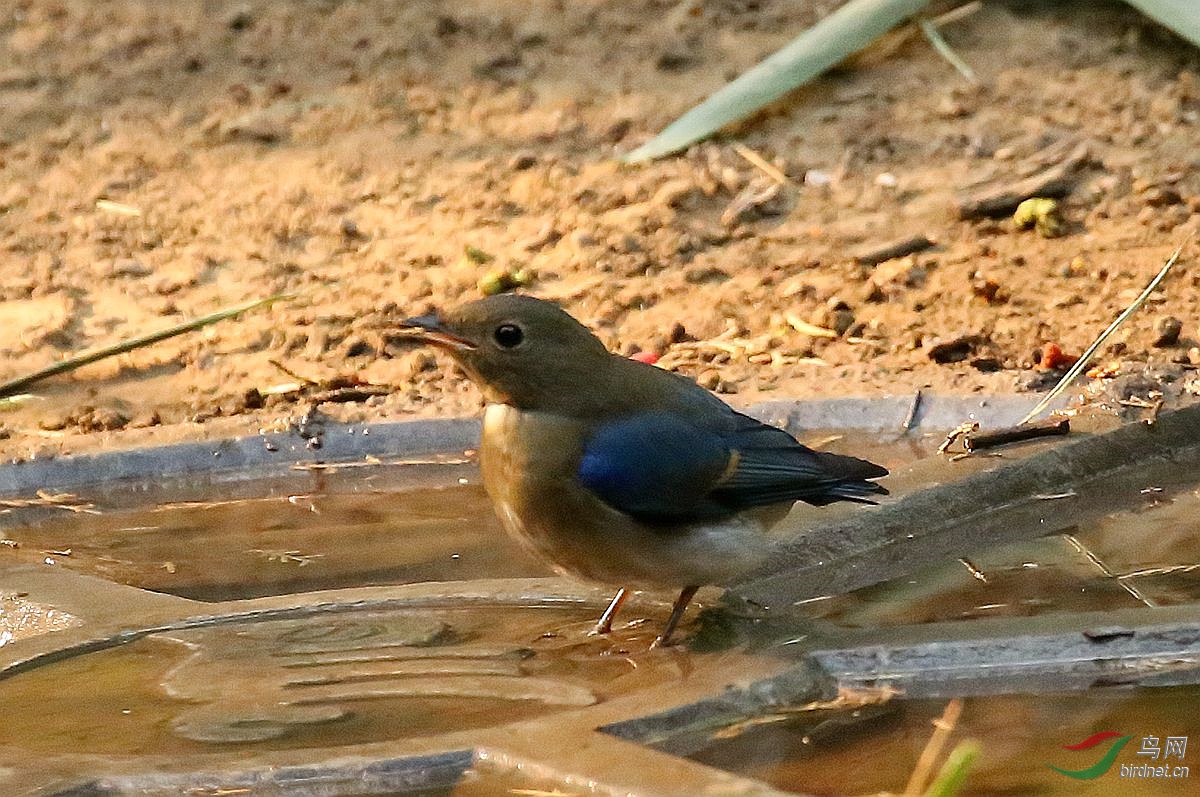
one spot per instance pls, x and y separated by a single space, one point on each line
519 350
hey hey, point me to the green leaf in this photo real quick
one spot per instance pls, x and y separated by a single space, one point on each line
843 33
1181 16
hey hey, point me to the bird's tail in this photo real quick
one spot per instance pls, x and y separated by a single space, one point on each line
851 477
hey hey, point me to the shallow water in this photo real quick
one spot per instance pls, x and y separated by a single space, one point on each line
350 529
323 681
343 680
325 529
838 753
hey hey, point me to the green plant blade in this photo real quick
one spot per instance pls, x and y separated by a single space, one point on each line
953 775
14 385
844 32
1181 16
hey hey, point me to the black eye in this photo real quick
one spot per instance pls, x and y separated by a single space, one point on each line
508 336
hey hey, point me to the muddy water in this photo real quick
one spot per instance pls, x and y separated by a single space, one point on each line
326 529
1148 557
343 681
344 530
325 681
875 750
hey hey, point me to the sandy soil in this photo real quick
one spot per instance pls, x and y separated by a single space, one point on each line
161 160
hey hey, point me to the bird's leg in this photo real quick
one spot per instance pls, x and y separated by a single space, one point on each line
604 624
681 604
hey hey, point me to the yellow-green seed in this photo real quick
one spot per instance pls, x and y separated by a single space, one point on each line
1041 214
500 280
492 283
477 255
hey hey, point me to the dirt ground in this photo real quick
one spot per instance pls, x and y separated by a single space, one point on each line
159 161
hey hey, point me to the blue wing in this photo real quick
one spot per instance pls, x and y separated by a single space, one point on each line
663 468
655 466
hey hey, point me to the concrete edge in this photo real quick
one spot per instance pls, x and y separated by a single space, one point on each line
264 455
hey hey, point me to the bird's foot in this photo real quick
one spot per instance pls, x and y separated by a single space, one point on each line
685 597
602 628
662 641
604 624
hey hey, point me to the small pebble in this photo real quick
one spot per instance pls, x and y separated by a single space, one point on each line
417 363
709 380
129 268
1161 197
100 419
1168 329
522 161
840 321
252 399
356 346
816 177
986 364
675 61
952 350
988 290
241 18
146 419
1076 268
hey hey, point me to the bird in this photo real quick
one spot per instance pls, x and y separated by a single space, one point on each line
620 472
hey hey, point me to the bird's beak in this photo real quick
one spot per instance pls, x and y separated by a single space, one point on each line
430 329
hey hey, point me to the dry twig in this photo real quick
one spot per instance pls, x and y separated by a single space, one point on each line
1050 427
942 728
894 249
765 166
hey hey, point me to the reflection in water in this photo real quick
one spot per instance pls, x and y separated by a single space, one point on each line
353 534
1145 558
320 530
868 752
327 680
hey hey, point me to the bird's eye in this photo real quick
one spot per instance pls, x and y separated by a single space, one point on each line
508 336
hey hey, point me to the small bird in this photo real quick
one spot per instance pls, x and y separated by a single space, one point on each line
617 471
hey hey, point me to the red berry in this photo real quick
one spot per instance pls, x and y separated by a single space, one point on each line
1053 358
